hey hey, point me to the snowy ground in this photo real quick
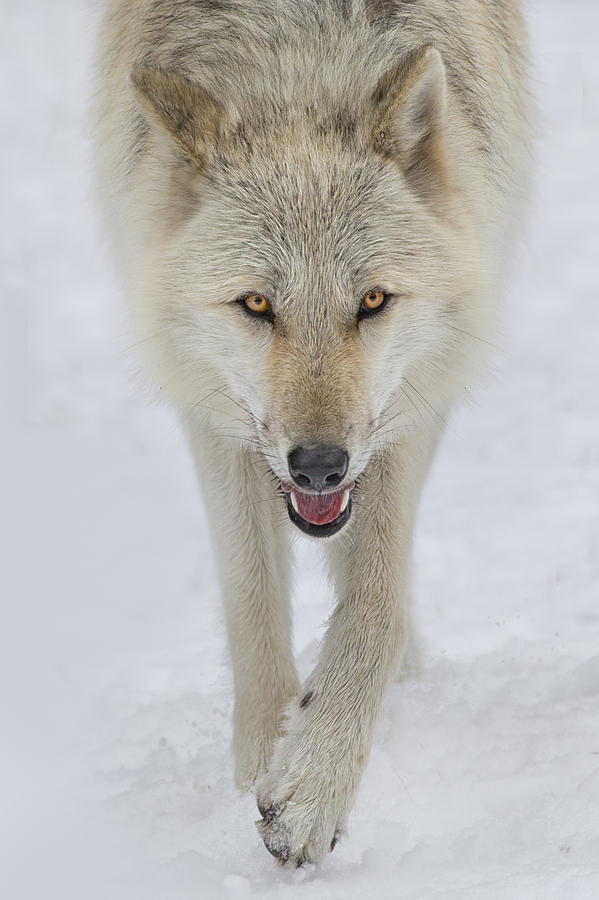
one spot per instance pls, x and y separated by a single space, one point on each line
116 768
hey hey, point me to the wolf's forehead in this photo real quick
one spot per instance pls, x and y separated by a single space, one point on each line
307 210
304 178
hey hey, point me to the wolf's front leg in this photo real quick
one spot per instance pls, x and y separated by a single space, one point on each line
250 537
306 795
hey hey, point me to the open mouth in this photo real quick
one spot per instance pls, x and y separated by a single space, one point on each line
319 515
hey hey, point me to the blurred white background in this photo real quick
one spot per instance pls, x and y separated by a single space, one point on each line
116 770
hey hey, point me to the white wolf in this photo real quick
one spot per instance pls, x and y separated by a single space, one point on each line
312 202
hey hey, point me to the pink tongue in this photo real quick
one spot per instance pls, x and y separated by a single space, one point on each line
319 509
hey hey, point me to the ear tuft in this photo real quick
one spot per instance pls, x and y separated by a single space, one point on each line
411 111
181 108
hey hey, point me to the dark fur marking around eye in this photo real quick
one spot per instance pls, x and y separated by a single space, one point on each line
365 313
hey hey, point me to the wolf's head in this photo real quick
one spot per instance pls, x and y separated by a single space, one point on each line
315 286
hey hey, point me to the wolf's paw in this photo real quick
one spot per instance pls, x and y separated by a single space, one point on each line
297 836
304 797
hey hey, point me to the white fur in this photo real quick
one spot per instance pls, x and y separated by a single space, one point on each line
312 152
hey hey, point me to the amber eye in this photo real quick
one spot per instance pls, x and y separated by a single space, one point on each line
372 302
257 305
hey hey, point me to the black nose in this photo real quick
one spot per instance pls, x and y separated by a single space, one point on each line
319 468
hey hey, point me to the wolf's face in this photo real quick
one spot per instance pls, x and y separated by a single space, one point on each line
311 288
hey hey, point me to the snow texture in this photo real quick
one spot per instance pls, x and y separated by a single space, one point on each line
116 765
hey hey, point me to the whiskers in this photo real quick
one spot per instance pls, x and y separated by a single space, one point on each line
379 436
393 424
242 431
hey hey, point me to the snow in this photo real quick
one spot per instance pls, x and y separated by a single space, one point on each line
116 693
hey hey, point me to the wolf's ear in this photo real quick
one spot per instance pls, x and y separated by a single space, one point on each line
411 109
182 109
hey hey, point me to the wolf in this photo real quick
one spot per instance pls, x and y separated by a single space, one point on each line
312 204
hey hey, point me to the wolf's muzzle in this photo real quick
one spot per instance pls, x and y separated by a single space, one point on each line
312 501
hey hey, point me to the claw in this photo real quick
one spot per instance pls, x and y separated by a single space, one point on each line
275 836
277 848
281 854
271 811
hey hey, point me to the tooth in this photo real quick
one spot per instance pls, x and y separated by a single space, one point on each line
294 502
344 502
